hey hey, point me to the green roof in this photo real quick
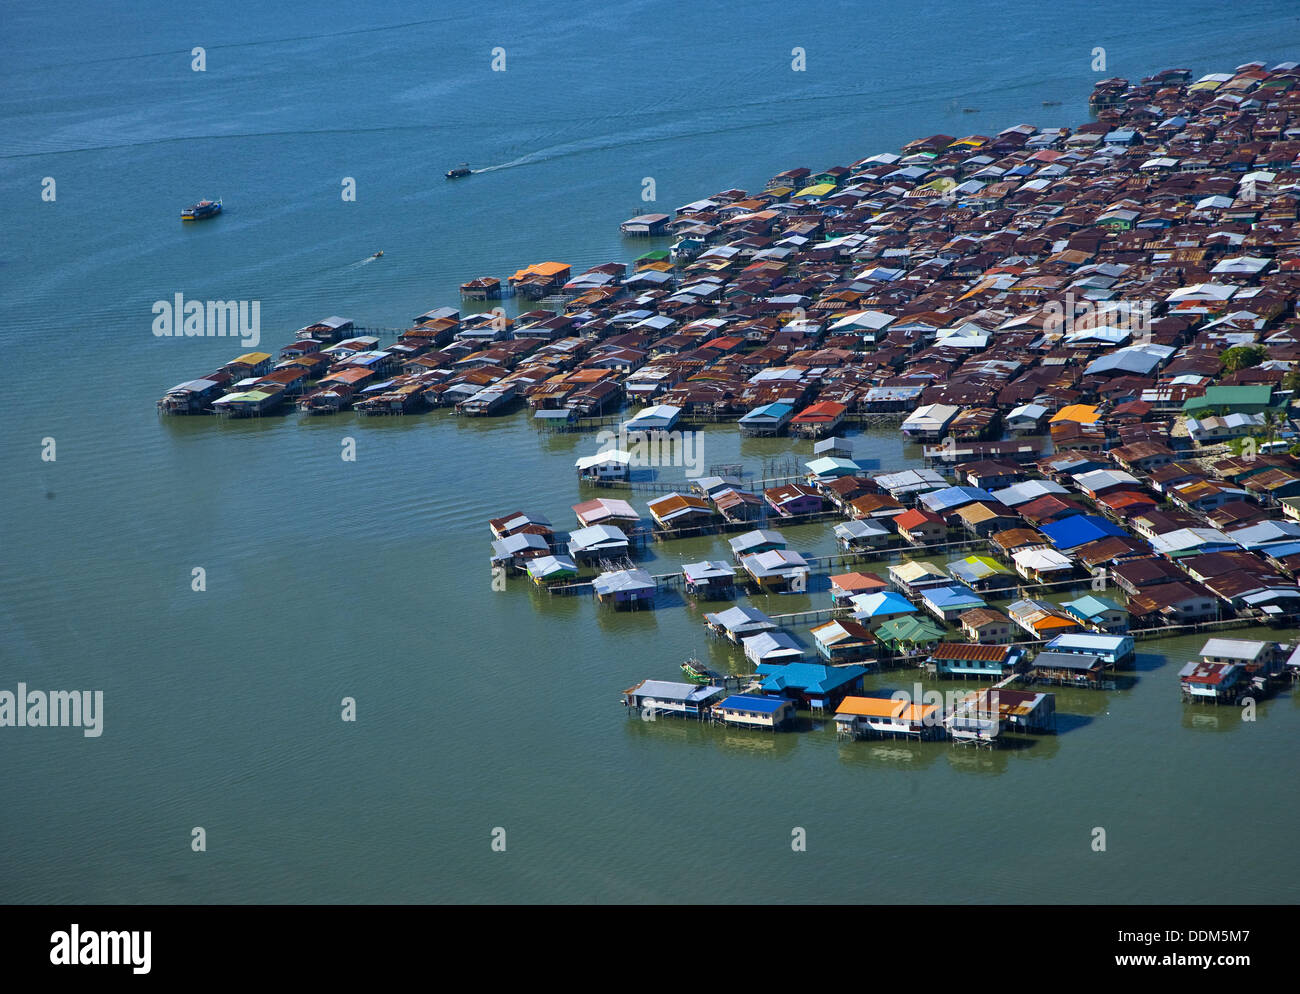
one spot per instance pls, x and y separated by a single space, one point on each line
658 255
988 562
910 629
1231 398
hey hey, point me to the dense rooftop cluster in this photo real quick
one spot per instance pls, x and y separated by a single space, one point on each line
1109 264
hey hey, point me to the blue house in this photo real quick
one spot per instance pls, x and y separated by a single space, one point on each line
880 607
1079 529
947 603
769 419
814 685
753 711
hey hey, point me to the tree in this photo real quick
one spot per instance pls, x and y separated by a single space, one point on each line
1272 420
1241 357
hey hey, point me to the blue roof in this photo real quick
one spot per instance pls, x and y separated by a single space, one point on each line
885 602
749 702
942 500
807 676
1137 359
1088 642
777 410
950 598
1090 605
1281 550
1078 529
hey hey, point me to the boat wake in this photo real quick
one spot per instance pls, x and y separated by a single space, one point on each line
523 160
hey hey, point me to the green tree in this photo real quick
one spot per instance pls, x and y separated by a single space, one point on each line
1272 421
1241 357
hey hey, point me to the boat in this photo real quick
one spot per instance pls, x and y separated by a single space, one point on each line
377 254
462 170
203 209
697 672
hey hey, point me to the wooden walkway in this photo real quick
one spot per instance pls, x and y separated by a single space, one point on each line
687 486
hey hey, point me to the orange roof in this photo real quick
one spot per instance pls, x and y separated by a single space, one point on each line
823 411
351 375
915 518
885 707
541 269
588 375
1052 621
857 581
675 502
1084 414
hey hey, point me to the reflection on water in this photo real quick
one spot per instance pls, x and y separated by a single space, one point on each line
901 753
972 760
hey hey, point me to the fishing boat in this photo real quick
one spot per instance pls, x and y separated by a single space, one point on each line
697 672
203 209
461 170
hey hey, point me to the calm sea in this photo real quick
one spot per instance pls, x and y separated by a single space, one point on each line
368 579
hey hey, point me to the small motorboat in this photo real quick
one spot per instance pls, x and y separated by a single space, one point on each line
697 672
377 254
203 209
462 170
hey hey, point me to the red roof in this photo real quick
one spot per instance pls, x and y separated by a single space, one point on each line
826 410
1209 673
915 518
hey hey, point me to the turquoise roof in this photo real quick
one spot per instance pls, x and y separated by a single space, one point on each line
777 410
811 677
1090 605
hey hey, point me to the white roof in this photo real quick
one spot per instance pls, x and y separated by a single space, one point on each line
1042 560
1105 478
1031 411
707 568
628 579
660 412
669 690
602 458
934 416
596 535
1188 538
1232 648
